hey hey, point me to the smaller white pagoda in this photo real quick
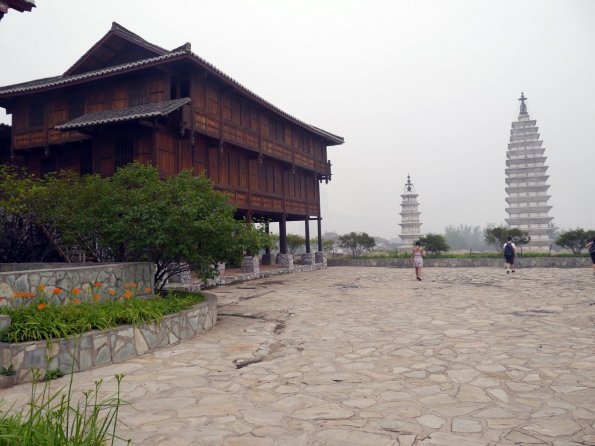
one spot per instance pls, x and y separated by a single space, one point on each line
410 224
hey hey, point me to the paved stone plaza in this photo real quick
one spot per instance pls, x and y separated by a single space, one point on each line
369 356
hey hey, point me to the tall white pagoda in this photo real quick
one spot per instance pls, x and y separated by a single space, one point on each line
410 224
526 182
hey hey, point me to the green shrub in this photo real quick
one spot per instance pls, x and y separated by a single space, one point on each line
8 371
53 374
45 322
52 419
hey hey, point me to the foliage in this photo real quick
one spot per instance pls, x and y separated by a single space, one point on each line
53 419
45 321
328 245
179 223
465 237
575 239
294 242
53 374
8 371
434 243
23 237
497 236
356 243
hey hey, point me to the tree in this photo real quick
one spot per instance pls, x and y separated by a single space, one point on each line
179 223
294 242
328 245
434 243
575 239
465 237
356 243
497 236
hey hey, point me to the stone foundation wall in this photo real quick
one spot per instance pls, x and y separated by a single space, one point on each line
99 348
521 262
116 276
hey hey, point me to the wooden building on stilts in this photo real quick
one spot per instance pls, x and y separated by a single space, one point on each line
127 99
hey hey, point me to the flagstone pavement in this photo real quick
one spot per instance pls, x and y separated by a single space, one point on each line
370 356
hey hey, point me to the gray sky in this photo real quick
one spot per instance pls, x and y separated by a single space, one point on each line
428 88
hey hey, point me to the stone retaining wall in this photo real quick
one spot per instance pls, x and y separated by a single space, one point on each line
67 277
522 262
100 348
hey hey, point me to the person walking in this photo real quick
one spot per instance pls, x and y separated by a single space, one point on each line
509 250
417 255
591 247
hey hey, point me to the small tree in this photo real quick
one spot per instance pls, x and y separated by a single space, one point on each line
328 246
294 242
575 239
434 243
497 236
356 243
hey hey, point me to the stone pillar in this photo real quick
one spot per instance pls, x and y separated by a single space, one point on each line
285 260
308 258
320 257
250 264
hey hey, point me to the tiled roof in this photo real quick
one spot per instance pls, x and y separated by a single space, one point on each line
181 52
55 81
125 114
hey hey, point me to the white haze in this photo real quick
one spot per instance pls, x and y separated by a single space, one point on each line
428 88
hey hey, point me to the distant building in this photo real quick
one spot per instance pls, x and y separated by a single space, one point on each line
526 182
17 5
410 224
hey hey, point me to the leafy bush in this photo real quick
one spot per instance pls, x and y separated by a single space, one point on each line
357 243
434 243
179 223
44 322
575 239
52 419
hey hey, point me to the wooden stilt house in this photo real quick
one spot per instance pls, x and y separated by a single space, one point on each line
127 99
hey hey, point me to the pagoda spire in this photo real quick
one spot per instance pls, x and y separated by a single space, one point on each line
523 110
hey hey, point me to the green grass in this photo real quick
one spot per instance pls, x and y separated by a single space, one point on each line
29 323
449 255
52 418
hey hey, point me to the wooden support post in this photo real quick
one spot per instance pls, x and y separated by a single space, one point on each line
307 234
319 234
283 234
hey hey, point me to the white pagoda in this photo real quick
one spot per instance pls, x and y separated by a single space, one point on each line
526 182
410 224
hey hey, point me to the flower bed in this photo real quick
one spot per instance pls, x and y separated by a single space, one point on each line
102 347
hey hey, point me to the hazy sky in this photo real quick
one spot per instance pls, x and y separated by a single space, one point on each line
428 88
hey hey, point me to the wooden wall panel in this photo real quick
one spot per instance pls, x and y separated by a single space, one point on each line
212 100
97 100
143 148
158 90
214 165
198 95
104 153
165 153
200 156
184 155
120 96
